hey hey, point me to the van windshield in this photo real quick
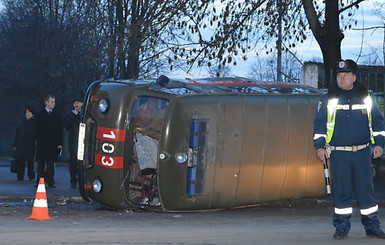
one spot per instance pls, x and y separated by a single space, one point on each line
148 113
146 122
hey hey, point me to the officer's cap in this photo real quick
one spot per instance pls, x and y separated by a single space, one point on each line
346 66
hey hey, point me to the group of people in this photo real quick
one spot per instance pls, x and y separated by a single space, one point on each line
39 137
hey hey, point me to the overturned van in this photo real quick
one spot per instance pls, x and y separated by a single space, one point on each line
198 144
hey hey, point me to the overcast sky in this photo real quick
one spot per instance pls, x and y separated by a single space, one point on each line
356 42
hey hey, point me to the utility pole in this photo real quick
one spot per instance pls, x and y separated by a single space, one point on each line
279 42
383 45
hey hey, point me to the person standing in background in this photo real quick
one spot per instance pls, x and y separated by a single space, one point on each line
49 138
71 123
24 145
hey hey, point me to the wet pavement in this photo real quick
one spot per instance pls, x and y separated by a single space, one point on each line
379 184
78 222
12 190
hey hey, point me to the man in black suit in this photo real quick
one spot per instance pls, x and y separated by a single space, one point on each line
49 138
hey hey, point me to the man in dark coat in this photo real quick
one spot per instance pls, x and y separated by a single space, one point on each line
24 145
49 138
71 123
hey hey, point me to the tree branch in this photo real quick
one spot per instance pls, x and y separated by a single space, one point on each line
350 5
311 15
369 28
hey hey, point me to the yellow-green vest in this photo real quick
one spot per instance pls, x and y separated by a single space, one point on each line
332 111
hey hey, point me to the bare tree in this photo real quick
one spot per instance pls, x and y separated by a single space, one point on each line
219 71
263 69
238 27
46 46
219 33
143 33
135 38
324 23
378 11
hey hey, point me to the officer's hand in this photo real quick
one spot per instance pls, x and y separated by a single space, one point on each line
322 154
377 151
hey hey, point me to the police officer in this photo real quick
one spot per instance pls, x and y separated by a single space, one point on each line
347 125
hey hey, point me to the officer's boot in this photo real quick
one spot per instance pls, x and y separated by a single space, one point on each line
372 226
342 225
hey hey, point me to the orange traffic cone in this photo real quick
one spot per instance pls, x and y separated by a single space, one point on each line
40 206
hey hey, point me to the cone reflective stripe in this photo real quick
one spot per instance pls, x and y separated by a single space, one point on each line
40 205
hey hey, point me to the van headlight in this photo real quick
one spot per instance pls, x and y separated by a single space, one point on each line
97 185
103 105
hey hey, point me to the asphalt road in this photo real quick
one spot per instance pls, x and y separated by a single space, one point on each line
305 222
76 222
18 191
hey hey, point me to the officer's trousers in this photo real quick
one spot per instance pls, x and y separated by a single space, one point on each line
352 176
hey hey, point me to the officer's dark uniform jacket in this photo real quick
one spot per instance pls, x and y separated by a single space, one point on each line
351 128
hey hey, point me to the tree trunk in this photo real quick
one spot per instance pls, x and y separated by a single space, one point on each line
120 34
112 40
328 35
134 42
133 60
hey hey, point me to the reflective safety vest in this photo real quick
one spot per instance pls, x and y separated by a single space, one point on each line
333 106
